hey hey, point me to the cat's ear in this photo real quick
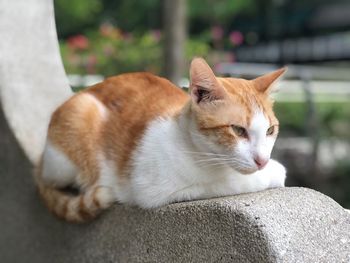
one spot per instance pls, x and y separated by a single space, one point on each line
265 83
204 86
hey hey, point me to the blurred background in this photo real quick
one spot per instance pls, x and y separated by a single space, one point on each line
240 38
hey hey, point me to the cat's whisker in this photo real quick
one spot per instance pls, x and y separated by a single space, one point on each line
242 165
204 153
239 164
207 165
211 160
203 162
207 159
208 154
225 158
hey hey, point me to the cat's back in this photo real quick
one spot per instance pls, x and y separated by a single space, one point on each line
138 92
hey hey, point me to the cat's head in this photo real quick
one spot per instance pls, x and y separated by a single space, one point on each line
233 118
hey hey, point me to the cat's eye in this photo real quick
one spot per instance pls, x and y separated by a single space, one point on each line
270 130
240 131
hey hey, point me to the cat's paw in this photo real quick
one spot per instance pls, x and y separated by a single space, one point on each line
277 173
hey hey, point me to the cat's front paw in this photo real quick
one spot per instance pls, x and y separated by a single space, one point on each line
277 173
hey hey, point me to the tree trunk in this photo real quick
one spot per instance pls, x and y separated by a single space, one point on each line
174 13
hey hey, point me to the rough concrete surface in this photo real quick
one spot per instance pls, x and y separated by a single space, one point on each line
281 225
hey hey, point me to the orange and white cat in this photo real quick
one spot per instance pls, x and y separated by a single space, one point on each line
138 139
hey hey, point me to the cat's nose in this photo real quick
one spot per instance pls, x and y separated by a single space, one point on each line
261 162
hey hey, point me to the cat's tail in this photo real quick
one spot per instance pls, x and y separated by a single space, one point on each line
77 208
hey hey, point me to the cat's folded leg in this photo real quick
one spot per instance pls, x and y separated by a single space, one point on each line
276 172
57 169
272 175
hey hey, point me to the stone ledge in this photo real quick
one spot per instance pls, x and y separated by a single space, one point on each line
279 225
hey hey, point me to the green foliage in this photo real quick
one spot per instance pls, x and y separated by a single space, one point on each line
133 15
333 118
76 15
338 187
79 16
217 11
112 53
196 47
108 52
291 118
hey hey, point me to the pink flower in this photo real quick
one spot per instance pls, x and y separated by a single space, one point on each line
78 42
128 36
230 57
217 32
156 34
236 38
91 62
74 59
108 30
108 50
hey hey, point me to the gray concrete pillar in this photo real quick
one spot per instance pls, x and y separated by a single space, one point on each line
32 79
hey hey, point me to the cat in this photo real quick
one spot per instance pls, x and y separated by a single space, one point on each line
138 139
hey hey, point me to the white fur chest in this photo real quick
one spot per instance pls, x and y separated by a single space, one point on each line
165 170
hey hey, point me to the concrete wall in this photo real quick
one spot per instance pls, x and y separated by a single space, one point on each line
32 79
